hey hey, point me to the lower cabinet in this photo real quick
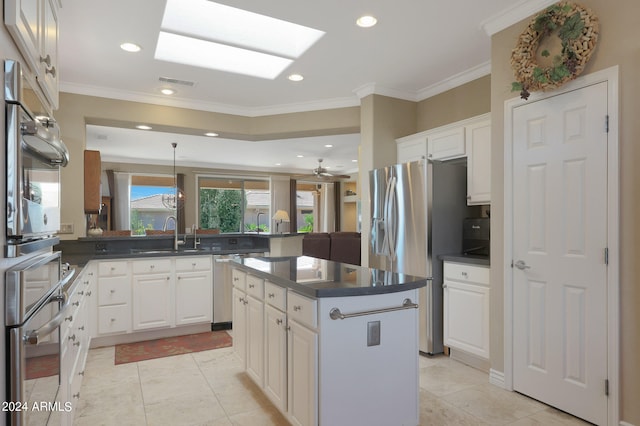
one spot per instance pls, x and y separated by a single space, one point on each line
137 295
75 332
274 336
466 308
275 356
152 301
302 371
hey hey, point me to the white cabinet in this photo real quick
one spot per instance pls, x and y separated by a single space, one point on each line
153 294
302 371
411 148
255 340
33 24
194 300
275 356
75 331
478 144
446 144
114 297
470 138
239 315
466 308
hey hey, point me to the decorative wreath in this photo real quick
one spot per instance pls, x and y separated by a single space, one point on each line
577 30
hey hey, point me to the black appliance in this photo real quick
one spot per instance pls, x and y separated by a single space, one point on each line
476 236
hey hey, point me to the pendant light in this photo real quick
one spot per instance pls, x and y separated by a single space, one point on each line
173 201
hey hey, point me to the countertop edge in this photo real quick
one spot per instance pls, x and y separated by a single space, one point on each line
319 293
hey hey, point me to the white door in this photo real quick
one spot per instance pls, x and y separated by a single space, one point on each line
559 241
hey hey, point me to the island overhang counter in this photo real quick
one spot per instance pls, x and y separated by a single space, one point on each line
329 343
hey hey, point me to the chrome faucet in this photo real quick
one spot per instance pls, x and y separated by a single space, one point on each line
196 241
258 221
176 243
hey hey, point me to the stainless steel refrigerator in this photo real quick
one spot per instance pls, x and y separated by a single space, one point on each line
417 211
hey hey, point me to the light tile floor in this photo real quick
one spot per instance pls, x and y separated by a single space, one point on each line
209 389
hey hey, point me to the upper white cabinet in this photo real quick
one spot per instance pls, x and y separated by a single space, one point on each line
446 144
470 138
478 144
411 148
33 24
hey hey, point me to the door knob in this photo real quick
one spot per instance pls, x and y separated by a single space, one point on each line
520 264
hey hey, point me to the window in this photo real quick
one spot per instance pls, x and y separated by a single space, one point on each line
233 204
307 195
148 211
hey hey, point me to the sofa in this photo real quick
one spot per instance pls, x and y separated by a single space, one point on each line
341 247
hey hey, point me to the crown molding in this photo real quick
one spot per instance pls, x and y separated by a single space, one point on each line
374 89
514 14
454 81
123 95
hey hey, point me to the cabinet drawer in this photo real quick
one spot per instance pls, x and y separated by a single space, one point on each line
302 309
465 272
255 287
275 295
114 319
151 266
113 291
187 264
239 279
111 269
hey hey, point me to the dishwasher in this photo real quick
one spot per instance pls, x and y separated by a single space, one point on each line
222 289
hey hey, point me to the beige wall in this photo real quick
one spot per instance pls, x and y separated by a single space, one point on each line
618 45
76 111
468 100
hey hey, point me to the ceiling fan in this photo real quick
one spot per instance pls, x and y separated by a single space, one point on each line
322 173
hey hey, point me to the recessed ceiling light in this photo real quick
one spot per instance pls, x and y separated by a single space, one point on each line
300 156
354 161
211 134
366 21
143 127
278 164
328 145
130 47
168 91
296 77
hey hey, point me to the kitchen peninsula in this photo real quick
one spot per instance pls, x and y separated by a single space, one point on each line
329 343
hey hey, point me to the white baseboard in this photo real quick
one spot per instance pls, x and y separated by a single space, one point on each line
496 378
626 424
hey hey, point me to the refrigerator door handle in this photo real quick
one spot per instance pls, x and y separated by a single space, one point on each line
392 218
385 249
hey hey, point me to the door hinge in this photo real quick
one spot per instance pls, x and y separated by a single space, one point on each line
607 123
606 387
606 255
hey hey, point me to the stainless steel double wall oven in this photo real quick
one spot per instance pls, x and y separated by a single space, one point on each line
35 288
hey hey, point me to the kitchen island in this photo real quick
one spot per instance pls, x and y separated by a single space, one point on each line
329 343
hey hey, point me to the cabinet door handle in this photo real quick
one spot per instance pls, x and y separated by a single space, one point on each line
88 293
278 321
252 285
297 308
46 60
69 318
271 295
464 274
152 266
112 291
51 71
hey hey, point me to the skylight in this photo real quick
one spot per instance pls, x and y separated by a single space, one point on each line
207 54
244 35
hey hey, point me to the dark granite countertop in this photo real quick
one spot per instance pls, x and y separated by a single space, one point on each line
323 278
466 258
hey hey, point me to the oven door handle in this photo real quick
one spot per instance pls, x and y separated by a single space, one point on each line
34 336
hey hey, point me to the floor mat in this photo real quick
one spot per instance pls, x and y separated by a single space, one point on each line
150 349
